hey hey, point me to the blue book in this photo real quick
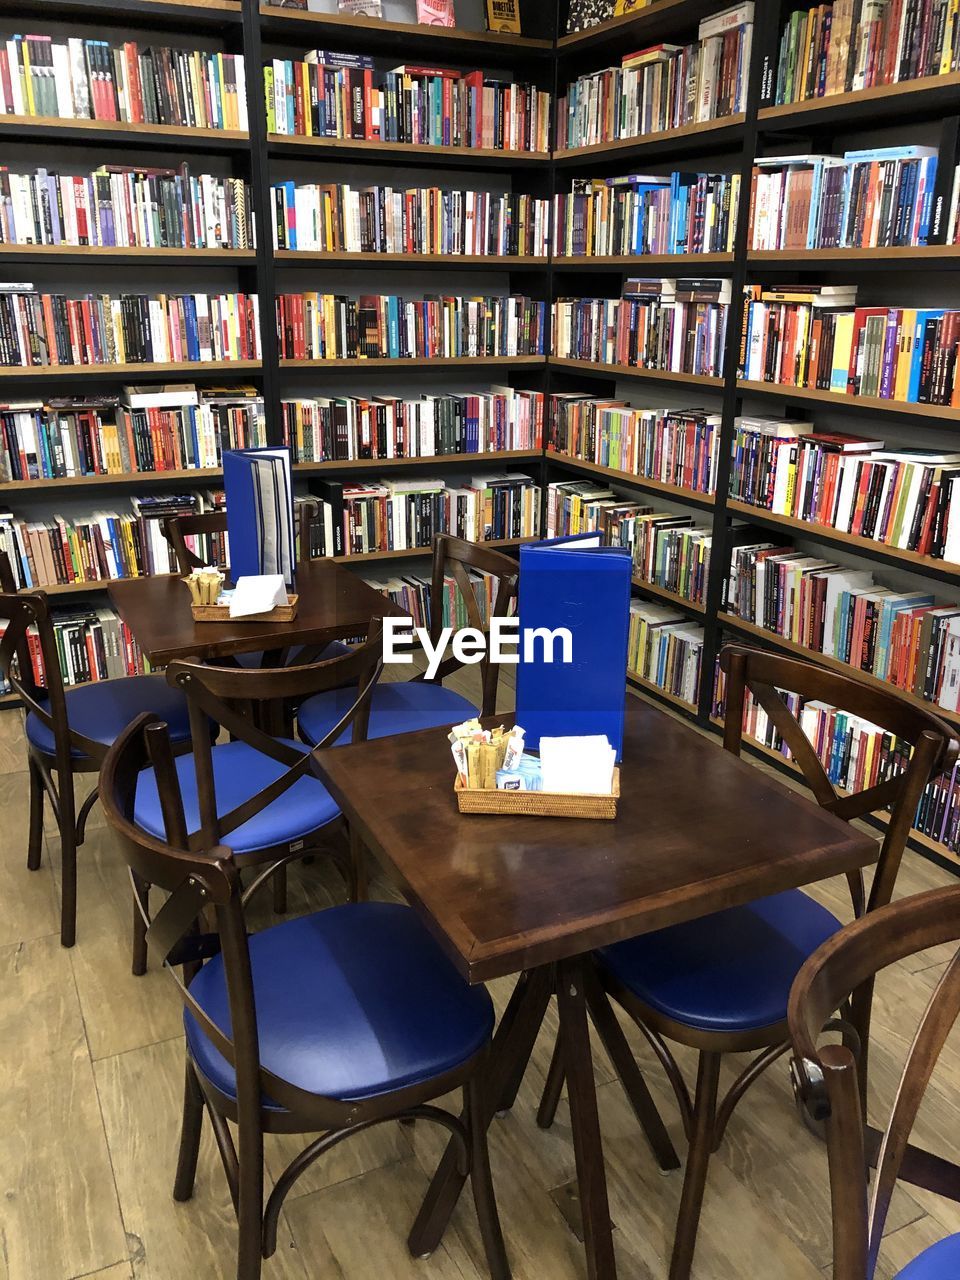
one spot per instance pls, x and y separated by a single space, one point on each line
290 200
259 489
577 584
916 358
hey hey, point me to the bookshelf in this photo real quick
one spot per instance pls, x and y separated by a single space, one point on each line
732 143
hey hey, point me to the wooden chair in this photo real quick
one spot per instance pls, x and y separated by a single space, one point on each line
720 984
257 790
68 730
829 1083
405 706
336 1021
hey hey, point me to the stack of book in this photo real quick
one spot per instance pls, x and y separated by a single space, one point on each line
855 755
663 87
412 593
582 506
403 515
324 326
99 80
880 197
671 326
665 650
340 95
856 44
41 329
338 218
671 446
148 429
903 498
904 638
119 206
92 644
346 427
670 214
815 336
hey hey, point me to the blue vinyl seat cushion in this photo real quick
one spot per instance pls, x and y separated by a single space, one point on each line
352 1002
335 649
239 772
396 707
940 1262
731 971
102 709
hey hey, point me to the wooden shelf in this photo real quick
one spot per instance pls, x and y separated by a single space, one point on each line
649 687
663 594
73 254
824 660
862 404
180 137
688 261
38 487
812 529
420 362
926 97
439 460
420 552
449 261
629 371
417 153
904 257
168 14
627 477
127 371
712 133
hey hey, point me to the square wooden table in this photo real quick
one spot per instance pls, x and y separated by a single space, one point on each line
335 604
697 830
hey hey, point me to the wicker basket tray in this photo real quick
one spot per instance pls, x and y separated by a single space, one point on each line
538 804
221 613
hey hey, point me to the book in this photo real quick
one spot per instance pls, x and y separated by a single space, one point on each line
259 496
361 8
436 13
582 14
503 15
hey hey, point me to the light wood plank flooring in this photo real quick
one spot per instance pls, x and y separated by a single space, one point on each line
91 1063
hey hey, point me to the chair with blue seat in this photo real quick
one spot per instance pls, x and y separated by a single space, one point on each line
68 730
406 706
828 1083
332 1022
720 984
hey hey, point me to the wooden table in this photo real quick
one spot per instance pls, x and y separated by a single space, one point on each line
335 604
697 830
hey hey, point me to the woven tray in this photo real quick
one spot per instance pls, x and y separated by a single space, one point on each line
221 612
538 804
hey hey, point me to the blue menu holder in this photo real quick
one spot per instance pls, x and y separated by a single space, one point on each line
579 584
259 489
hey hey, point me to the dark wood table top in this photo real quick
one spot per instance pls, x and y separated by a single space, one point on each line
697 830
334 604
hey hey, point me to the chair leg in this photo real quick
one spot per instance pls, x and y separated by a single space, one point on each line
552 1089
68 866
190 1130
359 883
280 891
35 845
482 1183
250 1204
141 899
698 1158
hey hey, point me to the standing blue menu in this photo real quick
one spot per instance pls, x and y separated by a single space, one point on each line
579 584
259 489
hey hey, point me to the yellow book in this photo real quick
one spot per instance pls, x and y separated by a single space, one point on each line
28 97
946 57
905 352
302 72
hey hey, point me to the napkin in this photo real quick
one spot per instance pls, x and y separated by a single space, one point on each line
257 594
578 766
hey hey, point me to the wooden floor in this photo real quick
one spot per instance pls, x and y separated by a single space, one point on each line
91 1061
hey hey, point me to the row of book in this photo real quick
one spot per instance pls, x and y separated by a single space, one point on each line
903 498
333 95
47 329
852 45
339 218
816 336
318 326
663 87
347 427
643 213
669 446
665 649
403 515
904 638
673 326
101 80
876 198
412 593
92 644
145 429
120 206
668 551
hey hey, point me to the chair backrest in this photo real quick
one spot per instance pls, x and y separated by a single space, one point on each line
228 696
825 1075
934 746
176 530
452 558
